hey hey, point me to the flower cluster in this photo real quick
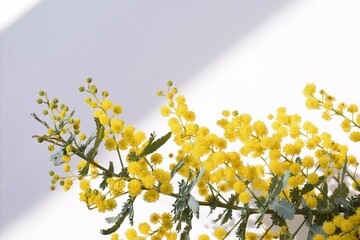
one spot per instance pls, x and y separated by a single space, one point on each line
283 166
162 227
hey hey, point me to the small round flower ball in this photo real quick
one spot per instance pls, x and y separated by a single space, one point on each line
220 233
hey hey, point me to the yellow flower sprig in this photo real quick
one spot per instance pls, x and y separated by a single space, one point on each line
282 166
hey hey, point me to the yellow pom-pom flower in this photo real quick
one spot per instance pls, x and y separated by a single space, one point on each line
131 234
134 187
329 228
144 228
151 195
165 111
116 125
309 90
166 188
220 233
352 108
148 181
250 236
244 197
355 136
110 144
156 158
313 178
319 237
106 104
117 109
203 237
114 236
311 202
84 184
312 103
155 218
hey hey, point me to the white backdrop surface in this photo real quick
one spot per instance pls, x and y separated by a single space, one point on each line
252 56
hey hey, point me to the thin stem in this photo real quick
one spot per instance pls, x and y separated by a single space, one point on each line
233 227
267 230
298 229
148 163
40 121
218 193
91 161
119 155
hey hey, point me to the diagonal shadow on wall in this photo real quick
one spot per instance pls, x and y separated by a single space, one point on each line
132 47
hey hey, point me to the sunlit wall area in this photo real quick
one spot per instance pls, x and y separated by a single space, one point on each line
252 56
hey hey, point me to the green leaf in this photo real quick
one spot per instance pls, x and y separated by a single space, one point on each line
307 213
355 201
182 211
315 229
241 230
154 145
277 185
178 166
295 196
324 202
132 157
83 147
186 231
339 200
273 184
56 158
124 172
341 191
180 204
106 175
185 205
127 211
62 123
193 205
213 202
285 179
70 139
283 208
276 219
196 179
111 167
226 215
261 205
260 202
298 160
100 131
152 137
113 219
83 172
307 188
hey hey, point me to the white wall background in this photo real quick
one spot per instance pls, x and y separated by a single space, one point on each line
248 55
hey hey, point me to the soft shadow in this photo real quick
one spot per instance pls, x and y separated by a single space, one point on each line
130 47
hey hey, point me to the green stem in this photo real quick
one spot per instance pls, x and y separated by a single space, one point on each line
352 177
218 193
148 163
40 121
267 230
298 229
247 186
91 161
233 227
119 155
